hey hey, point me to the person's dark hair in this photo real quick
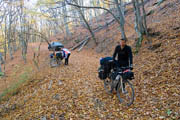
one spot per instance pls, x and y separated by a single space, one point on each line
123 39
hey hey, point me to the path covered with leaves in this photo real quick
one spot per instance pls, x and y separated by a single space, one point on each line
75 92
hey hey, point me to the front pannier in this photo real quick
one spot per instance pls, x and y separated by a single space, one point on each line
129 75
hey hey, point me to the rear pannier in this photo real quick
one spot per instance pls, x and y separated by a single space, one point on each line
106 64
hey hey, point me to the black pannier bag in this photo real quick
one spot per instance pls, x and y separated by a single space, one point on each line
101 73
106 64
59 55
129 75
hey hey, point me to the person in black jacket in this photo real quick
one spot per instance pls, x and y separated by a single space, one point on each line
124 55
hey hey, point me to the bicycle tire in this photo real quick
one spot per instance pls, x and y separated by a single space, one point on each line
122 96
108 85
59 61
53 62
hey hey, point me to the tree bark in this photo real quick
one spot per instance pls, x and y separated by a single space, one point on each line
122 21
88 26
65 18
144 18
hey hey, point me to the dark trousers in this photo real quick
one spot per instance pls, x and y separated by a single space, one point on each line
67 59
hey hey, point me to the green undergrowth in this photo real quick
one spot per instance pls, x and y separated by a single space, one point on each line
14 88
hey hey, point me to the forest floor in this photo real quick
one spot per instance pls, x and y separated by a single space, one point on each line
75 91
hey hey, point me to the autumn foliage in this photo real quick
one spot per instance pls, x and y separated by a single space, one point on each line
75 92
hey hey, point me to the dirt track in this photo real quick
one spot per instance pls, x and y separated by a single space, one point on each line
75 92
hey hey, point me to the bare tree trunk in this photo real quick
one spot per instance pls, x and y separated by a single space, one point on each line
65 18
144 18
5 41
122 21
140 28
22 36
14 39
9 35
140 21
78 2
89 28
96 12
4 46
0 69
1 62
122 8
85 21
136 20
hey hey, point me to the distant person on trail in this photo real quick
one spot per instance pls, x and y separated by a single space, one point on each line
59 53
124 53
67 54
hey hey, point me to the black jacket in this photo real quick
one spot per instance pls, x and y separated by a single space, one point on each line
125 57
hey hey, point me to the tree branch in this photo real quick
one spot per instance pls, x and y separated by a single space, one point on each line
87 7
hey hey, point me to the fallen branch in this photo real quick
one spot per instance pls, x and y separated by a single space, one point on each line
82 46
79 44
82 42
85 41
50 85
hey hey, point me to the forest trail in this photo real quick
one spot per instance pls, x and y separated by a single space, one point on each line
76 92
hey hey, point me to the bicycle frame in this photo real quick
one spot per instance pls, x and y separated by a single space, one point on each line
56 60
120 80
123 87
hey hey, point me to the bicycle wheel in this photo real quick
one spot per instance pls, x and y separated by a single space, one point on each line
126 97
108 85
59 62
53 62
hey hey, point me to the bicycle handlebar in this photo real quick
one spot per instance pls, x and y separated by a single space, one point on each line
122 68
